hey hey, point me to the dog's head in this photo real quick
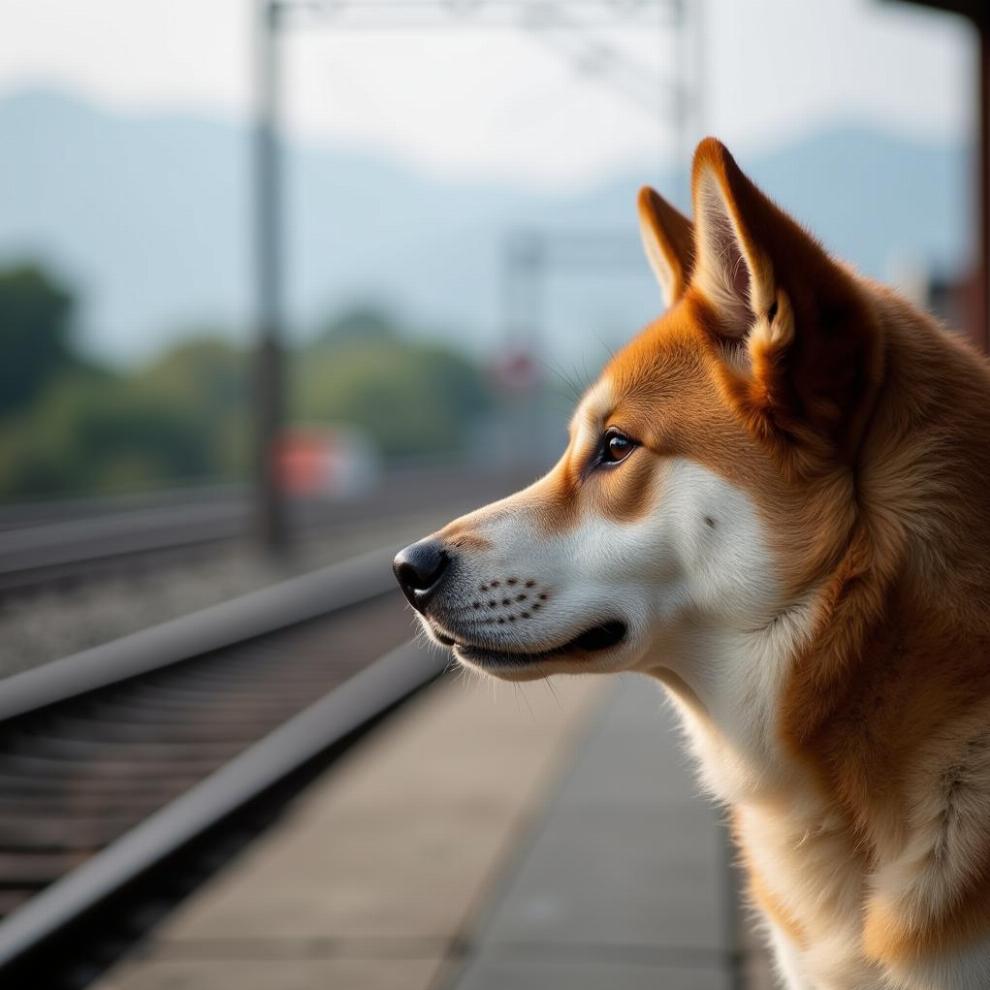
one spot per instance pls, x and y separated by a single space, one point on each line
708 480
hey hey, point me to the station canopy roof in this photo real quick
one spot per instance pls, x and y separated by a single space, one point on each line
977 10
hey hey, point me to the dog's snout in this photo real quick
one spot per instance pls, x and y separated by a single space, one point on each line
419 569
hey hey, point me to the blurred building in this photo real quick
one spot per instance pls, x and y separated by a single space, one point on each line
972 297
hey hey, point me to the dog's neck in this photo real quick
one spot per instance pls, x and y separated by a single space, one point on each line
790 711
728 696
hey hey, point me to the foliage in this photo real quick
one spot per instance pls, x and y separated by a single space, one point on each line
181 418
362 323
210 379
186 416
35 318
412 398
115 434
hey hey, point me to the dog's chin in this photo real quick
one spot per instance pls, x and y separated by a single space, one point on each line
517 663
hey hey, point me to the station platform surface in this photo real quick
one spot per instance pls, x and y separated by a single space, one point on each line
485 837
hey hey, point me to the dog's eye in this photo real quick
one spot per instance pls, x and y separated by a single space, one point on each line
616 447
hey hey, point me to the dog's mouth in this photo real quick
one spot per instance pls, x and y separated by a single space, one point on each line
594 640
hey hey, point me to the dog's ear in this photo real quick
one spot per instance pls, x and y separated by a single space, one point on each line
668 240
803 352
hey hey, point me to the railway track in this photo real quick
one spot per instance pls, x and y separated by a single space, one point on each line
58 544
116 763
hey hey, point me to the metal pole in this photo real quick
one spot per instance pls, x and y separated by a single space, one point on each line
699 69
682 107
508 289
981 320
534 272
271 522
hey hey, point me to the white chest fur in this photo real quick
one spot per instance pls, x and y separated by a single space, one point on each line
808 880
808 877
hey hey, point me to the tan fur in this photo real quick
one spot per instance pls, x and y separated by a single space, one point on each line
668 240
763 897
860 431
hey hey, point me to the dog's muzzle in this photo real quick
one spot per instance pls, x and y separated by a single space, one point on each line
420 570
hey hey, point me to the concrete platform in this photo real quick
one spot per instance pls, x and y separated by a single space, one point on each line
485 838
625 884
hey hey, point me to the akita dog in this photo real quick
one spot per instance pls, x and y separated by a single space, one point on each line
776 502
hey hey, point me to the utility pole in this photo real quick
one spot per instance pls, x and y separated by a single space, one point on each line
269 409
689 18
530 256
682 106
978 13
272 18
981 317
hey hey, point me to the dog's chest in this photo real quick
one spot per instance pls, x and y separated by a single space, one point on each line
808 880
805 873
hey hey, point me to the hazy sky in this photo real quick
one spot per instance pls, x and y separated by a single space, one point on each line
504 102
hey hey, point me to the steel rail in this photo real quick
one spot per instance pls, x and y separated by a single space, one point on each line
267 610
319 727
81 540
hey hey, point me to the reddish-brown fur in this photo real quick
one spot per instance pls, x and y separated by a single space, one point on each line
897 680
859 428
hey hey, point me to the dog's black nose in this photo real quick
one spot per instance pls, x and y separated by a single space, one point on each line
419 570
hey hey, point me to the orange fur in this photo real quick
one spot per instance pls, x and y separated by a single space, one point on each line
764 898
886 415
858 428
898 673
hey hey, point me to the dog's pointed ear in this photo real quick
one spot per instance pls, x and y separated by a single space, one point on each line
668 240
803 350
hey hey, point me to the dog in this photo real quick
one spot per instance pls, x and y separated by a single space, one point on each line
776 502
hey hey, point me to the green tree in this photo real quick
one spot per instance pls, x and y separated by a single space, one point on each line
411 398
186 415
179 419
90 436
362 323
211 379
35 323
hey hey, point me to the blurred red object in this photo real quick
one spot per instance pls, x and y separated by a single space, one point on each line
325 461
516 371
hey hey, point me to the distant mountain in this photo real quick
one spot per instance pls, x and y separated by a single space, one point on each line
150 218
